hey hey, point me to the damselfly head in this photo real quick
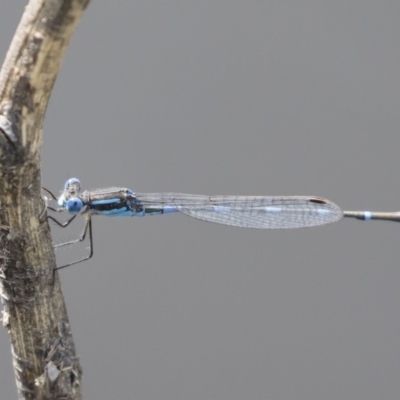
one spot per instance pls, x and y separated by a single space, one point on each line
72 189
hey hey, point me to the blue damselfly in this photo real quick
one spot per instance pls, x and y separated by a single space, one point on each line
260 212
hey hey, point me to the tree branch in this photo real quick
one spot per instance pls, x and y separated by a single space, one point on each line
34 313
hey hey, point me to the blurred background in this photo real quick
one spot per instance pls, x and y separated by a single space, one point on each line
230 97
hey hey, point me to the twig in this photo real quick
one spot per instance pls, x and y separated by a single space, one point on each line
45 361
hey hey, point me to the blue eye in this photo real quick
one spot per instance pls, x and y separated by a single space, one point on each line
73 182
74 205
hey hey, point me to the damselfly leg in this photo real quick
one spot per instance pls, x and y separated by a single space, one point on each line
87 228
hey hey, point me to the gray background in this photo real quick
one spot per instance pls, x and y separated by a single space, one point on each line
231 97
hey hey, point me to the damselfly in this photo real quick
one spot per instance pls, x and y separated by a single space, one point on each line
260 212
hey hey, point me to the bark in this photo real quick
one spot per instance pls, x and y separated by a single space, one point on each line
45 362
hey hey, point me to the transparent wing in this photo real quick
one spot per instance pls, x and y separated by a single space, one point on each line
261 212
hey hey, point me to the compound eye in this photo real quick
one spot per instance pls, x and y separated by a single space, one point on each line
73 182
74 205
